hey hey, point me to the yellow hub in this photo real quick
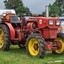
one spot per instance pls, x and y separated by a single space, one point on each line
1 38
59 51
33 47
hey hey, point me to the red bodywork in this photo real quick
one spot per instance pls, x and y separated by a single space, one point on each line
47 31
11 29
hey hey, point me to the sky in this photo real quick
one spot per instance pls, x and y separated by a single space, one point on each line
35 6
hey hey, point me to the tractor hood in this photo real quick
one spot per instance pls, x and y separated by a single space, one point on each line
44 22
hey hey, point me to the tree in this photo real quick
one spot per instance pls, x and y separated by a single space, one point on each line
17 5
53 10
56 9
21 10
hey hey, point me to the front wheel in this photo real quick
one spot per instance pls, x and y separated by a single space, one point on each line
60 46
35 46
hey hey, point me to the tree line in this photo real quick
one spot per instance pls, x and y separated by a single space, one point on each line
56 9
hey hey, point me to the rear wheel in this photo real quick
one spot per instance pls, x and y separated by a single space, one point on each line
60 47
4 37
35 46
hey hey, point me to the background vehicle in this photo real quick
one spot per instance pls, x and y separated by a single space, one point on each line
14 31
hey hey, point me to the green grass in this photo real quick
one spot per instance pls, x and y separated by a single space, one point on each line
19 56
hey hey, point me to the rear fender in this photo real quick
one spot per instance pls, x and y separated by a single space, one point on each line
11 29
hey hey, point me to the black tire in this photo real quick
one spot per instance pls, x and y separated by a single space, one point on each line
41 42
6 44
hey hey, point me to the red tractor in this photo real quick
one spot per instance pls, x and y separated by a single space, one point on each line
44 36
37 34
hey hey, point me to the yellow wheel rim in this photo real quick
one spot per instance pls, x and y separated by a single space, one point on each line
33 47
62 48
1 38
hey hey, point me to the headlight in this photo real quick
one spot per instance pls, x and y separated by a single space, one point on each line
58 22
51 22
40 21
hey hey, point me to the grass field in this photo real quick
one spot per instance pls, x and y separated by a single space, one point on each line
19 56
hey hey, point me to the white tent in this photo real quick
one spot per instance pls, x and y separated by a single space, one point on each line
4 11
